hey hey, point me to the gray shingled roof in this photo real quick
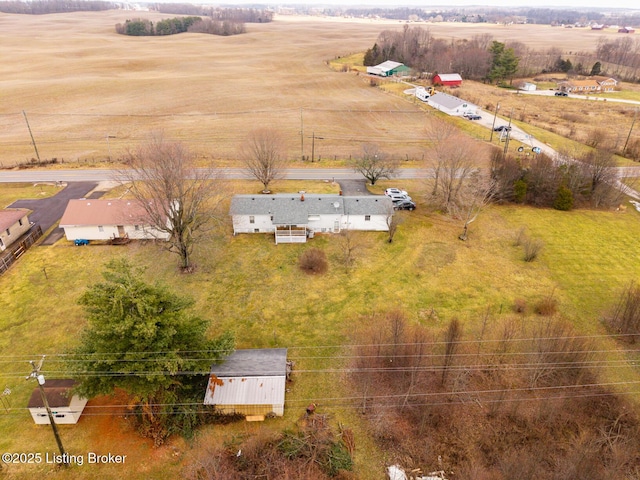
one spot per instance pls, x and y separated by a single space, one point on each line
291 209
447 101
257 362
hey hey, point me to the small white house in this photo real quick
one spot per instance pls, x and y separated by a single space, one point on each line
66 408
528 87
13 223
295 216
249 382
97 219
451 105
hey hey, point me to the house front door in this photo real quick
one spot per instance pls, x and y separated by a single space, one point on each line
336 226
120 231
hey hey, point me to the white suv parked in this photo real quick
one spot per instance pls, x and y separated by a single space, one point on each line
394 191
400 198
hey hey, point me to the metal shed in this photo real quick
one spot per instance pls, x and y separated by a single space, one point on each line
249 382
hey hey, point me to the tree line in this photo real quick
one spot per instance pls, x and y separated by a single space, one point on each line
482 58
239 15
56 6
142 27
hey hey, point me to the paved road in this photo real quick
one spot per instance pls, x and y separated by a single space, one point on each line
98 175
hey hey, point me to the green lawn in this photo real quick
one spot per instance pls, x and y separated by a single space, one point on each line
10 192
255 288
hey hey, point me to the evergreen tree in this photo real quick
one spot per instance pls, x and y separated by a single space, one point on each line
596 69
504 62
140 339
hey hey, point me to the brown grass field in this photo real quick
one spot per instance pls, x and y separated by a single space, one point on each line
90 94
80 83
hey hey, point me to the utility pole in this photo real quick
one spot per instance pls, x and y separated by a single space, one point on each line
109 145
35 373
624 150
506 143
495 114
31 134
313 145
301 136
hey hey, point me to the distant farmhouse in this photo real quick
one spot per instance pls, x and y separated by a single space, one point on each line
447 79
295 217
589 85
249 382
626 30
389 69
528 87
451 105
92 219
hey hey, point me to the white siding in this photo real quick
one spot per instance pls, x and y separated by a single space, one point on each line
250 391
377 223
61 415
111 231
243 224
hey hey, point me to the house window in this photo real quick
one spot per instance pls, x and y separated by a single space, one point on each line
8 233
271 218
256 230
136 227
100 228
1 243
20 222
367 218
252 219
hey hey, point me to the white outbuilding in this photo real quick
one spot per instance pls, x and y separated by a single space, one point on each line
65 407
249 382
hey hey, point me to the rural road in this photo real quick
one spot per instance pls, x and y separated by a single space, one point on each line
98 175
337 174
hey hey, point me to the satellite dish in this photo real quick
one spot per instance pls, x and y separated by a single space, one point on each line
336 204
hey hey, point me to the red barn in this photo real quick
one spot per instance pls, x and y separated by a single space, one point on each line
447 79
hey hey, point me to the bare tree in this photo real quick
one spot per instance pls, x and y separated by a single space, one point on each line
178 198
375 164
263 156
451 341
477 194
393 220
451 158
602 174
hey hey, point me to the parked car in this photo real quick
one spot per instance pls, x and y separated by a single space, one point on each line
472 116
400 198
562 94
394 191
404 205
79 242
501 128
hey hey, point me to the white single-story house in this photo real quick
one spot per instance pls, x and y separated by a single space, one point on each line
295 216
97 219
14 222
66 408
451 105
388 69
528 87
249 382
